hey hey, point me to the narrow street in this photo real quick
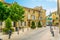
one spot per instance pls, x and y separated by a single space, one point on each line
29 19
37 35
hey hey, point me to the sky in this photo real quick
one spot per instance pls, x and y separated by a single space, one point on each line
49 5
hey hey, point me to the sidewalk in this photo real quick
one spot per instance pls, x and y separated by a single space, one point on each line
56 34
59 36
14 35
49 36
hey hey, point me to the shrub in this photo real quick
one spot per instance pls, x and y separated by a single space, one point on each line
5 30
39 24
33 25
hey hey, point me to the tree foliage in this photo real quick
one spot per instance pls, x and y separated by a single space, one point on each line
39 24
16 12
4 12
8 23
33 25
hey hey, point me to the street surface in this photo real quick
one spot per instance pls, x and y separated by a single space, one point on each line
36 34
40 34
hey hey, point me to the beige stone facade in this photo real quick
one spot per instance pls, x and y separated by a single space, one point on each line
2 0
35 15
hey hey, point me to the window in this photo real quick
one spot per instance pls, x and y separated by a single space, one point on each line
29 23
33 11
33 17
39 11
40 18
29 10
23 23
28 16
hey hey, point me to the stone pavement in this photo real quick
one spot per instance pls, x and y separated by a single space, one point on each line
47 36
14 35
56 33
59 36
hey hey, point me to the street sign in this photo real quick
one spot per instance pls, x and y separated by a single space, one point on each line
49 18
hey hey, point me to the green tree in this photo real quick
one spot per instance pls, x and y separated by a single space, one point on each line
8 25
4 11
16 13
33 25
39 24
4 14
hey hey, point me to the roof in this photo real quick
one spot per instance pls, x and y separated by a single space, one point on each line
34 9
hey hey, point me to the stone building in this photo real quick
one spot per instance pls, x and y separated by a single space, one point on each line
31 14
35 15
55 18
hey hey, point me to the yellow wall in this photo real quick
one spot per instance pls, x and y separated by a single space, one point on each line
54 16
37 14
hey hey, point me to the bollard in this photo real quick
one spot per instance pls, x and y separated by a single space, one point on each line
59 31
10 32
52 32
